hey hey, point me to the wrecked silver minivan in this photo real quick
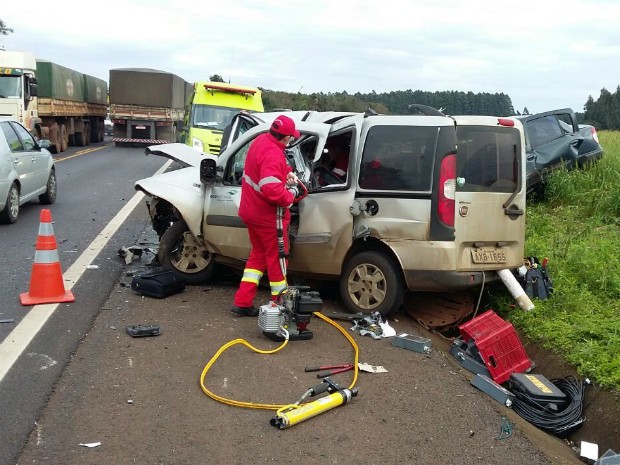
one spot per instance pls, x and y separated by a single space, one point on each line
426 203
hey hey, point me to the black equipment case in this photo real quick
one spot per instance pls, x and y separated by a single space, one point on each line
159 284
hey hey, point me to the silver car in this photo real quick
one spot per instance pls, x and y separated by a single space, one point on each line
26 170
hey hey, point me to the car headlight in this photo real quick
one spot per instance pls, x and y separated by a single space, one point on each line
197 144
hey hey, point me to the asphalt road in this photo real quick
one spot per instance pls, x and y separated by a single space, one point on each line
94 184
141 399
83 380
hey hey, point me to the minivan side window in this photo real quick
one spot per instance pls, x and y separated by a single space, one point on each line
234 169
398 158
487 158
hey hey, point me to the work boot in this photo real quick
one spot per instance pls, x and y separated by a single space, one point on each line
244 311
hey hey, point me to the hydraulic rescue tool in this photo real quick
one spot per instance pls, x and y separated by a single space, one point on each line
287 317
292 414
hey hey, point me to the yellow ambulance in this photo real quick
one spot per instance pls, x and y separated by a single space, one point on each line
211 108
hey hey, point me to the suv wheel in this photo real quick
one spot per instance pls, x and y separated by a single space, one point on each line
180 252
11 208
372 282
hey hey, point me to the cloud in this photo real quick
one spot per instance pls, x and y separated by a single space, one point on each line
543 54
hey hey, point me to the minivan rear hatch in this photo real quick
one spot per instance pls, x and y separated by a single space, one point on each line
489 195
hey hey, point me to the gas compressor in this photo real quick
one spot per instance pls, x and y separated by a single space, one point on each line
289 313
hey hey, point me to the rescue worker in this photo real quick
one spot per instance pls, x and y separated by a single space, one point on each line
268 183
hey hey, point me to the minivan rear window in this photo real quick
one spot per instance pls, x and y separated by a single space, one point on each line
487 158
398 158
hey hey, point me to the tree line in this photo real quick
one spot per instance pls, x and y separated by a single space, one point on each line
395 102
604 113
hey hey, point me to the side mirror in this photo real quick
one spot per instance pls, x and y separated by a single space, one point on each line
33 89
208 171
44 144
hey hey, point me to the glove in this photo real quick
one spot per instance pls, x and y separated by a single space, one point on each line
295 190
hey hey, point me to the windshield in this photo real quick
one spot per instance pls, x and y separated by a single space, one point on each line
10 87
212 117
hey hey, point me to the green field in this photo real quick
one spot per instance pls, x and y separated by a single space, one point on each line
577 226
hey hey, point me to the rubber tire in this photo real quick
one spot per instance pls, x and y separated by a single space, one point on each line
49 197
387 294
56 147
87 134
11 208
80 141
172 241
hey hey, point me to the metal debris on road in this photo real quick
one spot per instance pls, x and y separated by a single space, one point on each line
506 429
89 444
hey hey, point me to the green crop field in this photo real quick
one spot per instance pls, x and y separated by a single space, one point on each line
577 226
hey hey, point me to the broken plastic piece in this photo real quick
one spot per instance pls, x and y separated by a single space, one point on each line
371 368
143 330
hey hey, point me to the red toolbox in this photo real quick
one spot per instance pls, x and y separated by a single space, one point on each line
498 345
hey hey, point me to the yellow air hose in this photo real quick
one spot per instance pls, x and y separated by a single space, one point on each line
238 403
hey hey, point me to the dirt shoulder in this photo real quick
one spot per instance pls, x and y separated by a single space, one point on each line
140 397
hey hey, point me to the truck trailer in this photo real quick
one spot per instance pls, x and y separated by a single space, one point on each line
146 106
52 101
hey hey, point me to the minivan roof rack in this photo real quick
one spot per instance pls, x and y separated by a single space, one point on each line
426 110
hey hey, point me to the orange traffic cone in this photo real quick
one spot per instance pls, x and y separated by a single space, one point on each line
46 282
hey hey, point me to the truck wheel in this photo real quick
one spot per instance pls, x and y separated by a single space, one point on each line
79 139
64 138
54 136
372 282
96 131
86 134
49 197
11 208
180 252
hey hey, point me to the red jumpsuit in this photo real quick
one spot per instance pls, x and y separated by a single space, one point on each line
264 189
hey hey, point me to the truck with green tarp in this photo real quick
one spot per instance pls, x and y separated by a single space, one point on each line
54 102
146 105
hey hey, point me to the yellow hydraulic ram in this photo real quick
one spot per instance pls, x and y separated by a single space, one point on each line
290 415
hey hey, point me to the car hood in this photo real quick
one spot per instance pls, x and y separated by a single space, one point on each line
181 153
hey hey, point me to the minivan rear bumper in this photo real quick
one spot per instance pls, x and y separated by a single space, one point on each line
447 281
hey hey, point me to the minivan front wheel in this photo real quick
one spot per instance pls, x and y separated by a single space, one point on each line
180 252
372 282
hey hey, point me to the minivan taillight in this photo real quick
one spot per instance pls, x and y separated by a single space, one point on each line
447 190
595 135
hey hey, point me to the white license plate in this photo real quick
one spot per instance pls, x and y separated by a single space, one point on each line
488 255
140 127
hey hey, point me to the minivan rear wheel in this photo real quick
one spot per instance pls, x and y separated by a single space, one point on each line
372 282
180 252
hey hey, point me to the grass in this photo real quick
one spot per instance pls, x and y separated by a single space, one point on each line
577 227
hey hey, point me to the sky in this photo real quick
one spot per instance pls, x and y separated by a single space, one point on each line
544 54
